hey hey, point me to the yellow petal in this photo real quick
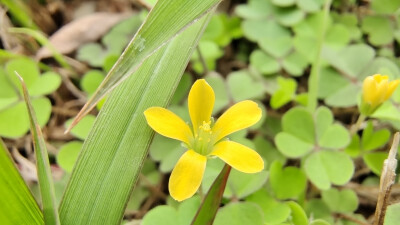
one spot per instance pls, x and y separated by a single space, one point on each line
239 156
392 86
240 116
201 102
168 124
381 91
187 175
379 78
369 89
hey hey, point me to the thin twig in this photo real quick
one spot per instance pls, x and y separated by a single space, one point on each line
387 180
350 218
71 86
63 111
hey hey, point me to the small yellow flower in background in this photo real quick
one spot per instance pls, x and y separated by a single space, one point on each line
376 90
205 138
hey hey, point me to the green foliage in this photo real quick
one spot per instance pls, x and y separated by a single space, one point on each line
24 209
168 215
239 184
242 86
112 44
340 86
266 51
392 214
13 113
68 154
318 137
239 213
276 212
370 141
344 201
287 183
46 184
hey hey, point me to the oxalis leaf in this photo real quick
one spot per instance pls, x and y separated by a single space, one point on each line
340 86
113 153
164 22
318 137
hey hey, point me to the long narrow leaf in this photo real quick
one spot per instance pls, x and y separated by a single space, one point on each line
163 23
113 154
46 185
43 41
21 12
17 205
210 205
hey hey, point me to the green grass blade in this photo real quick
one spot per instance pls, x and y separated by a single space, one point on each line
316 65
163 23
17 205
43 41
210 205
46 185
113 154
21 12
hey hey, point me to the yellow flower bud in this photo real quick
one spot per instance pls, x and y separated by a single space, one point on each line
376 90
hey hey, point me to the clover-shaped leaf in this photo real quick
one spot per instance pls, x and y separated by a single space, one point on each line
239 213
285 93
13 112
239 184
318 209
379 29
299 127
283 3
254 9
287 182
256 30
310 5
370 140
113 43
275 212
324 168
392 216
82 129
267 150
15 120
264 63
167 151
277 47
343 201
375 161
168 215
222 29
341 85
68 154
242 86
298 215
210 52
219 86
307 31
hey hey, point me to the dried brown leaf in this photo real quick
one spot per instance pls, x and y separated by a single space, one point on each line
80 31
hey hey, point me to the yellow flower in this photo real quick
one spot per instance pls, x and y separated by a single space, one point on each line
376 90
205 138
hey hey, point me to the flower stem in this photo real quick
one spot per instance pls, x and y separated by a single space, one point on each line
357 125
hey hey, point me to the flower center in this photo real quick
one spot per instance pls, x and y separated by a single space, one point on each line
203 139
